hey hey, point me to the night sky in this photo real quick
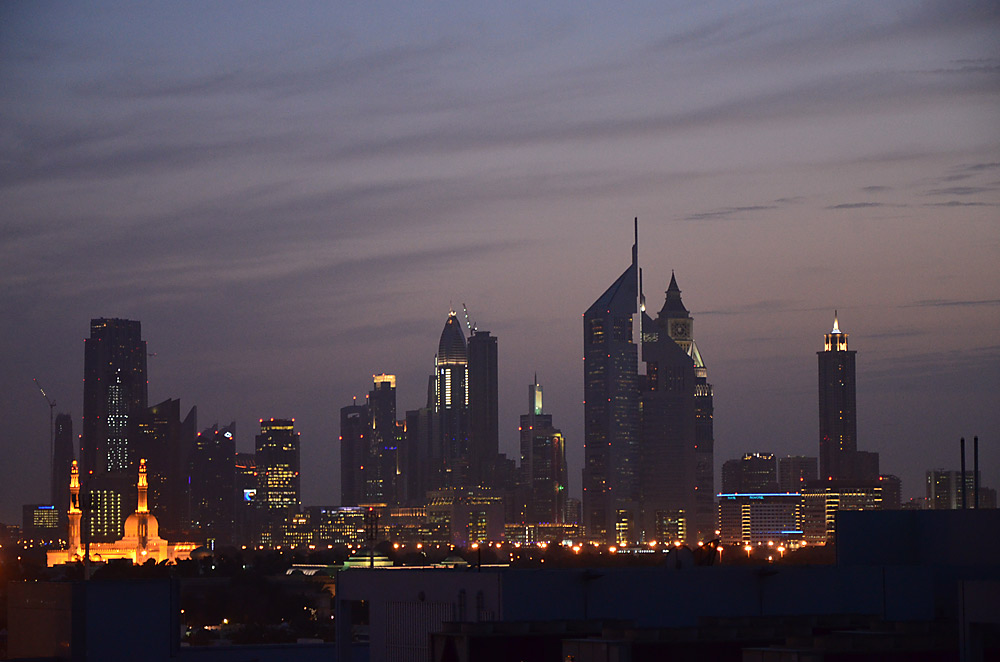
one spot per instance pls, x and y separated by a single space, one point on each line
291 197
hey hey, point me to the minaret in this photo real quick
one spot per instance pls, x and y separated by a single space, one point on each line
74 514
142 510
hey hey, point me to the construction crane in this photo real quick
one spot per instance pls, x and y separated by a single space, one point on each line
52 430
472 327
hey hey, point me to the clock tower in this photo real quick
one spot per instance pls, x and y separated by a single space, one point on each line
678 322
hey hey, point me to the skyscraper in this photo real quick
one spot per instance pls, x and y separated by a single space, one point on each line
114 394
676 437
611 409
451 404
648 418
167 441
838 430
381 470
484 420
278 486
354 433
213 484
543 464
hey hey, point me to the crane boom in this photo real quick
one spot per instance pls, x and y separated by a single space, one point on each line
472 327
52 403
52 432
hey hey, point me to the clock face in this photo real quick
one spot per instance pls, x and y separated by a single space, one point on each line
679 329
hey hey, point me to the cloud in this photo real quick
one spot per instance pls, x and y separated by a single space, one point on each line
876 189
960 203
960 190
726 212
936 303
856 205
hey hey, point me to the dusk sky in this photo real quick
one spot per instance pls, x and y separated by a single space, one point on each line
291 197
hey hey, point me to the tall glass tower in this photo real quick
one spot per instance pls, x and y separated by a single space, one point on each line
838 424
611 353
114 394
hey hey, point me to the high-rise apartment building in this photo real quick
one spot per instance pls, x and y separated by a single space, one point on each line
838 428
114 394
278 485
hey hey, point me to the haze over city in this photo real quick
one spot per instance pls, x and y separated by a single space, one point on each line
291 200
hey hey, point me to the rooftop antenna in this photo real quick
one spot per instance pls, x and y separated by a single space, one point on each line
52 432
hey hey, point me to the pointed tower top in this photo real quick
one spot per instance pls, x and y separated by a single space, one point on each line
836 324
452 348
673 284
673 306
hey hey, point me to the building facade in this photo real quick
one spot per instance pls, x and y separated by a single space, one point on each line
278 484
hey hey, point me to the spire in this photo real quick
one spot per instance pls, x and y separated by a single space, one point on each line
672 305
836 325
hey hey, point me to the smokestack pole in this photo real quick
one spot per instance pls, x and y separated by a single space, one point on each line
961 483
975 472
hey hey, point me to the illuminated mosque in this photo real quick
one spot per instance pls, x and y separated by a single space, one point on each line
140 543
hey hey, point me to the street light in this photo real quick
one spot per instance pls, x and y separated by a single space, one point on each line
748 549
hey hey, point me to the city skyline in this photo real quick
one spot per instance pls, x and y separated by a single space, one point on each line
291 210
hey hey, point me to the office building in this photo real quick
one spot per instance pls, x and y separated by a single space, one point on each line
543 481
213 485
648 418
892 488
451 406
355 430
754 472
762 518
114 399
114 394
794 471
484 424
40 522
611 410
245 517
944 490
381 473
167 442
824 499
676 436
278 485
